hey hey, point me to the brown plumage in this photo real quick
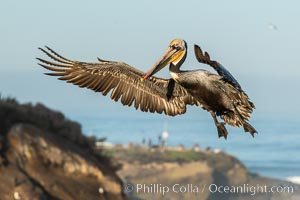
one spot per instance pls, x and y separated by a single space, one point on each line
151 95
242 106
221 94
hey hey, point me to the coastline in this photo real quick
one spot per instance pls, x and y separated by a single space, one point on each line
163 172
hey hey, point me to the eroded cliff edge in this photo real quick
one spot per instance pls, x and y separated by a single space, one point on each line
46 156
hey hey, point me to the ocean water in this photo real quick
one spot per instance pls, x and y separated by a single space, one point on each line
274 152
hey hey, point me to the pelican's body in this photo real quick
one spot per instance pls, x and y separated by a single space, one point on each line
220 94
201 85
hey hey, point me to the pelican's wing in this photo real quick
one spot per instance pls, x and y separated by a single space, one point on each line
124 82
222 71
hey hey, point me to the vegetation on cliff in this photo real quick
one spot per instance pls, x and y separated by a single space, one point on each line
46 156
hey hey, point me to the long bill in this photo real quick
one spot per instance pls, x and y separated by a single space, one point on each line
161 63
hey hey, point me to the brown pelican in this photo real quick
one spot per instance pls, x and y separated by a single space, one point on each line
221 94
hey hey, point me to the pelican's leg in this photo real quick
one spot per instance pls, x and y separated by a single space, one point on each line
222 131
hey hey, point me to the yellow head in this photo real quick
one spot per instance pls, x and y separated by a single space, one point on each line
180 46
175 54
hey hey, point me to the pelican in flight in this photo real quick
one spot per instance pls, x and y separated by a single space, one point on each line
219 94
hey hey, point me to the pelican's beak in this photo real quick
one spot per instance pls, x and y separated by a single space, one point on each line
168 57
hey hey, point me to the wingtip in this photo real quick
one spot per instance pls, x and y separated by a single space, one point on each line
49 49
41 65
207 55
202 57
39 60
198 53
41 49
196 46
102 60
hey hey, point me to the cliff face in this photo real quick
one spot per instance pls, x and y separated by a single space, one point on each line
45 156
189 174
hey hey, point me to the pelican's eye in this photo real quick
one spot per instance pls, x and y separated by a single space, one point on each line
176 46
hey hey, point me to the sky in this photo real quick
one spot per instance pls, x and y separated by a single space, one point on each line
238 34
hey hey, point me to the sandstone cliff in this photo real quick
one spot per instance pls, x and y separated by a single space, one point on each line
190 174
45 156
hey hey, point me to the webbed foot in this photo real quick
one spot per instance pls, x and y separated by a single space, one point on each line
222 131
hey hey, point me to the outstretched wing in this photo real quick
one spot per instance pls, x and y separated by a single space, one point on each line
151 95
222 71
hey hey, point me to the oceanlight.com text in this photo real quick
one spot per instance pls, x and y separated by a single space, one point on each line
249 189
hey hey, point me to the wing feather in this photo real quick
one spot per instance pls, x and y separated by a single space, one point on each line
221 70
123 81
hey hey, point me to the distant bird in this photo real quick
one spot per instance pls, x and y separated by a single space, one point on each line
272 27
221 94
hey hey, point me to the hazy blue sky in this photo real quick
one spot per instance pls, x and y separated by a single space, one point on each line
266 62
